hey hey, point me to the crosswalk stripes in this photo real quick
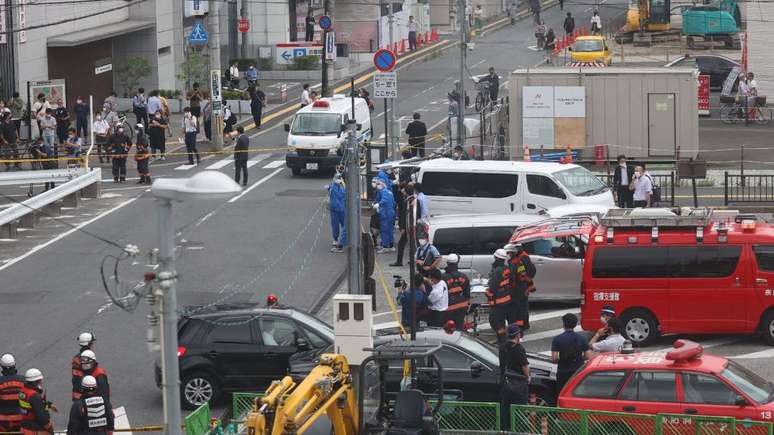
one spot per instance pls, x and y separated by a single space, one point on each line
274 164
257 159
221 163
184 167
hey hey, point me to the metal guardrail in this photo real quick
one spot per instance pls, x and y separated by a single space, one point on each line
666 182
37 202
241 403
40 177
739 188
560 421
469 416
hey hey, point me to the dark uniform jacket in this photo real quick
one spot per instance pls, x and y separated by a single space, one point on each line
90 415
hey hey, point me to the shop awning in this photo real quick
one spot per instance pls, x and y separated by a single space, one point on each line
80 37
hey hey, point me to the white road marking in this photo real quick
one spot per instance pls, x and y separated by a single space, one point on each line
257 159
121 420
246 191
760 354
184 167
274 164
222 163
37 248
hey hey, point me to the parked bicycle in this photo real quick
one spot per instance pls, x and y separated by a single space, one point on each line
755 112
483 96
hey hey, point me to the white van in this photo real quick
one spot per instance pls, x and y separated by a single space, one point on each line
316 139
489 186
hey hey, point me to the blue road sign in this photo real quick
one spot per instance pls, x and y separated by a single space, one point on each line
384 60
198 34
325 22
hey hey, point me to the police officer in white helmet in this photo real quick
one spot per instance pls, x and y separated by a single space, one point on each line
92 414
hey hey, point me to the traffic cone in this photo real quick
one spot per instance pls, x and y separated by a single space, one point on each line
419 40
526 153
427 38
569 154
434 35
402 46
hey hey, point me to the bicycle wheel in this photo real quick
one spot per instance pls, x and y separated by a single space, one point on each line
728 113
762 115
479 102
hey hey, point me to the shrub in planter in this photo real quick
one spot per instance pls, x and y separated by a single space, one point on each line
306 63
229 94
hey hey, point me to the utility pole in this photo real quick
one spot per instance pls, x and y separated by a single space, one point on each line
243 46
391 130
328 7
173 419
461 83
217 112
354 254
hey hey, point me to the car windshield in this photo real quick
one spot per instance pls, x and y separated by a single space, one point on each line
479 349
580 181
588 45
314 323
316 124
751 384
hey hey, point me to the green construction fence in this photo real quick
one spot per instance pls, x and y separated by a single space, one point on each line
198 422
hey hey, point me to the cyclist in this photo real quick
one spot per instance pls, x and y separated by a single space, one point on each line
494 83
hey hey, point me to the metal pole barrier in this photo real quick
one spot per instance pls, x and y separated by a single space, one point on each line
167 279
353 204
217 114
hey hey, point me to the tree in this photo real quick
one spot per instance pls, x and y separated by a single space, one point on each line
194 69
129 75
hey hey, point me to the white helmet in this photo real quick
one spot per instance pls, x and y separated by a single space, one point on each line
85 338
7 361
33 375
501 254
89 354
89 382
452 258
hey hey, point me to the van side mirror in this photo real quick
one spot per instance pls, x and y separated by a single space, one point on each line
740 401
287 128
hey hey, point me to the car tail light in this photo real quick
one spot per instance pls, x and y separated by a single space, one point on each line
583 293
181 350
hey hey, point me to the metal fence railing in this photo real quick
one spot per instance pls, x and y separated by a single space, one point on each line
665 182
748 188
241 403
559 421
469 416
198 422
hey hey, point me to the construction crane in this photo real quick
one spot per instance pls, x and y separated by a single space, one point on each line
290 408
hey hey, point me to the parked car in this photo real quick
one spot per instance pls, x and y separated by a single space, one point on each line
716 66
681 381
470 366
240 347
591 48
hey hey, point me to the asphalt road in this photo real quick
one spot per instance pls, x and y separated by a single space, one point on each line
269 239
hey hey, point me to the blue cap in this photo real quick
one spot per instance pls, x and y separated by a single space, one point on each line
513 330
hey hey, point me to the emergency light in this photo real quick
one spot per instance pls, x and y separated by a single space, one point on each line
748 225
684 350
321 104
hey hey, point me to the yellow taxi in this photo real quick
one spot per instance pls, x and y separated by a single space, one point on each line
592 48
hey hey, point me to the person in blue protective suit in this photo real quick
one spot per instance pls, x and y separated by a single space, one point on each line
337 195
386 209
385 175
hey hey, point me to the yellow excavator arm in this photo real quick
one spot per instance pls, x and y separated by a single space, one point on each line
288 408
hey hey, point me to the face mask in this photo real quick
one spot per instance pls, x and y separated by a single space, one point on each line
603 319
622 164
380 186
80 101
120 130
637 173
423 242
187 115
373 184
456 154
158 116
339 181
99 118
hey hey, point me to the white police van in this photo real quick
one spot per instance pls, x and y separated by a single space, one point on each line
316 136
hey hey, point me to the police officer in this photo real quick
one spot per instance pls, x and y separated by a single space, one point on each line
499 294
90 367
92 414
459 291
514 373
522 284
11 384
37 419
119 148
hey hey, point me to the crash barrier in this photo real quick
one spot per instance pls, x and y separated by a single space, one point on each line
664 182
526 419
468 417
747 188
198 422
71 188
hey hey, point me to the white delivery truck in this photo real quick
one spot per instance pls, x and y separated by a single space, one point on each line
316 136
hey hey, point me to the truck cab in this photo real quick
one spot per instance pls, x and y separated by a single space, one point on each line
316 136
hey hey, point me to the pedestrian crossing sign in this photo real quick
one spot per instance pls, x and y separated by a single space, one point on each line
198 34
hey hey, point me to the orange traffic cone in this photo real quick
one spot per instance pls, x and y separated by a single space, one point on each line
402 46
427 38
569 154
434 35
526 153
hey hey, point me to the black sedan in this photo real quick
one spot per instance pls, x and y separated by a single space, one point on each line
470 366
715 66
240 347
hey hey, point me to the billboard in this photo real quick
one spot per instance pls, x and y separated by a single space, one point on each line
554 116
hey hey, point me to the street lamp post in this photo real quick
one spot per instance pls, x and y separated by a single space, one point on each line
204 185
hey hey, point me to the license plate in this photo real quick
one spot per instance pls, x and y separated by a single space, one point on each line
312 166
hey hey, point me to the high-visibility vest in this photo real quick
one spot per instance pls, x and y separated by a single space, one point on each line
11 415
520 275
29 425
456 283
501 294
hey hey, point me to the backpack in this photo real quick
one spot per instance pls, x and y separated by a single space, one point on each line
656 195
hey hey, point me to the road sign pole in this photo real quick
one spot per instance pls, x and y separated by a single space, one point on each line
391 131
325 91
461 84
217 117
243 46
